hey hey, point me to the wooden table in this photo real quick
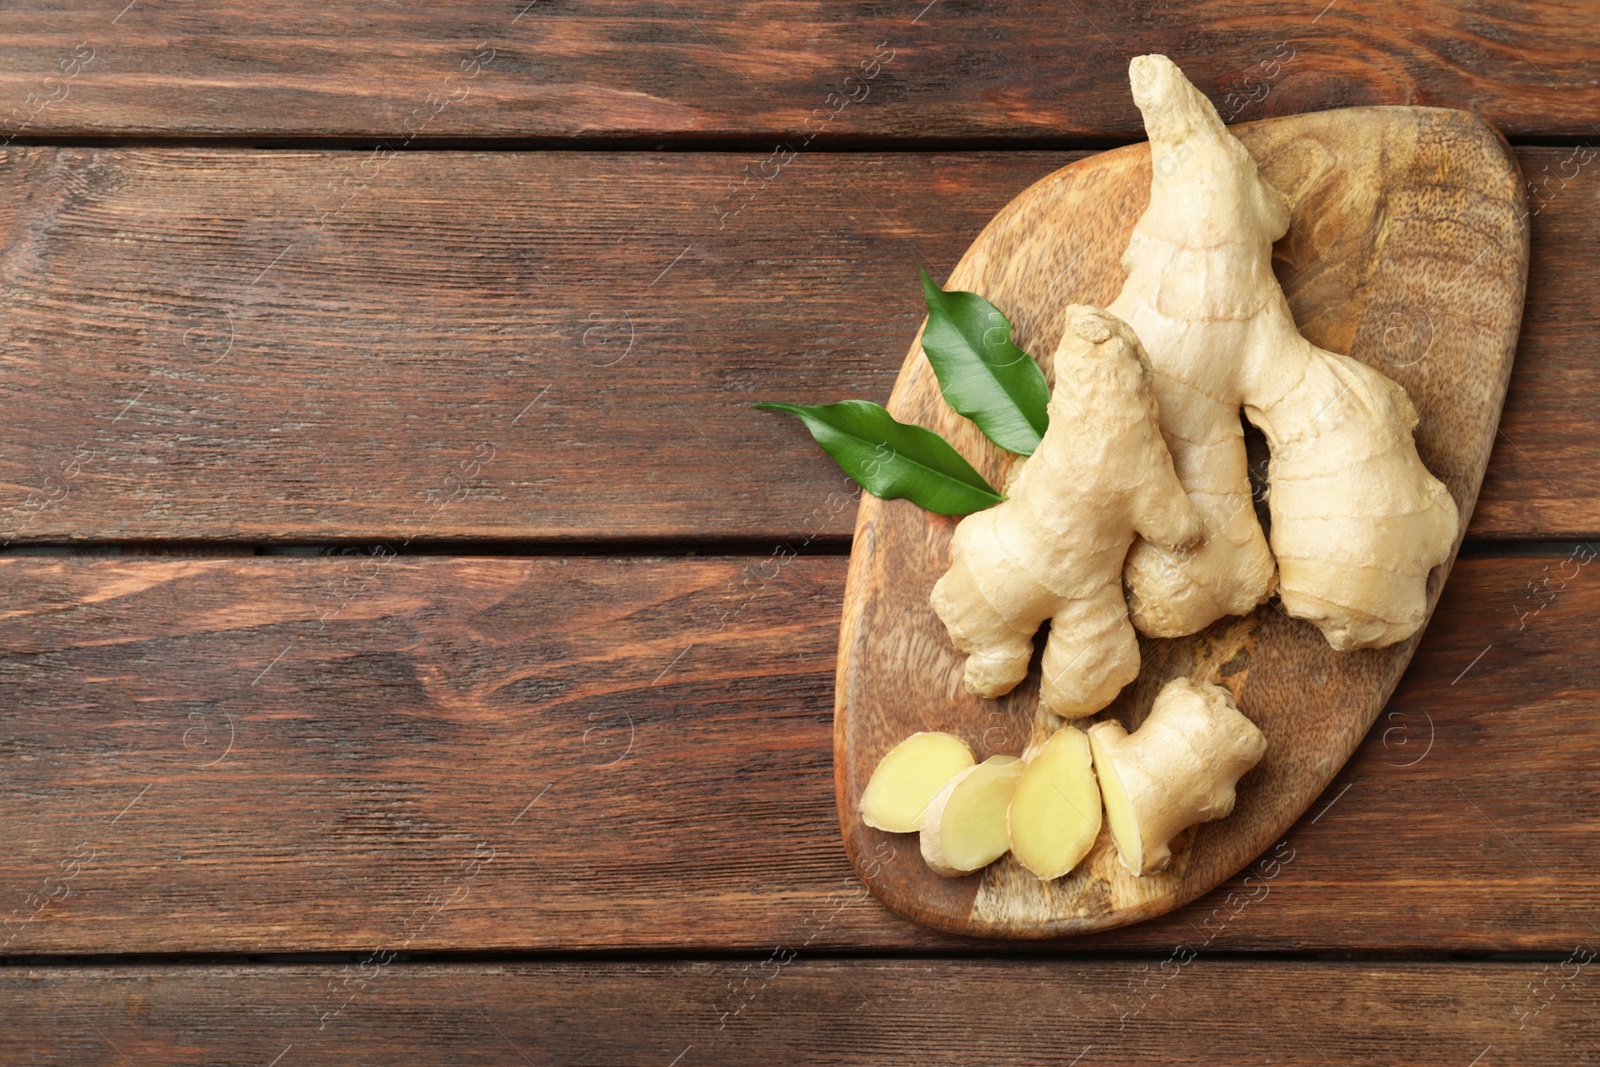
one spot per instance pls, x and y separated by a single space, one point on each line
414 646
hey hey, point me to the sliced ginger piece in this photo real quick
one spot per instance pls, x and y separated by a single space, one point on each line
909 777
1178 769
964 827
1054 816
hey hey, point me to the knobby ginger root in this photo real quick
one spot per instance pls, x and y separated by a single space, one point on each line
1055 548
964 827
1357 520
909 777
1179 768
1054 815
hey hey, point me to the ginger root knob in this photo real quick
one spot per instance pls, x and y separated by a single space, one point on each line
1178 769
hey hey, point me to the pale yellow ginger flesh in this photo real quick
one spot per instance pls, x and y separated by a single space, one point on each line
964 827
1178 769
1054 815
1357 520
909 777
1054 549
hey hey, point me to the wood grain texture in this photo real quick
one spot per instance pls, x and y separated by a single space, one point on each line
295 68
557 345
318 754
1390 207
832 1012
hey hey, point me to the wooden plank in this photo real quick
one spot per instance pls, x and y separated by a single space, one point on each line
781 68
422 753
811 1011
206 344
1527 486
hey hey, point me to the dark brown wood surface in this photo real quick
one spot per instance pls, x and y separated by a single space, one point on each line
1391 210
810 1011
241 308
562 346
655 72
314 754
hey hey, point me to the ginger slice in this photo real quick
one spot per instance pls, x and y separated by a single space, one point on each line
1054 815
909 777
964 827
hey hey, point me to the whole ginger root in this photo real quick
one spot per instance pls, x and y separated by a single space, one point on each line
1054 549
1357 520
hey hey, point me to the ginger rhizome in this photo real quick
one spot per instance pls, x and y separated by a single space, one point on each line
1054 815
1055 548
1178 769
1357 520
964 827
909 777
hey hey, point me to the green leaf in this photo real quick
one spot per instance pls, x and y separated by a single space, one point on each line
981 373
894 459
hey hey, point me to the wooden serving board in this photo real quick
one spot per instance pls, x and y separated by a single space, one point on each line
1408 250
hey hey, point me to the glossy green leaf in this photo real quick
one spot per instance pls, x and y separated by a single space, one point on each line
981 373
894 459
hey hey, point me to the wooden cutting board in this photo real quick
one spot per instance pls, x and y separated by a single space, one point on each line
1408 250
